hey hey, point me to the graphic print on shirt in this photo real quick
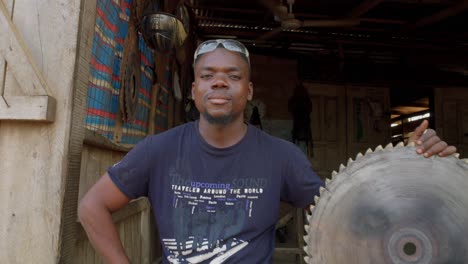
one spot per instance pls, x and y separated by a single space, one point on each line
207 215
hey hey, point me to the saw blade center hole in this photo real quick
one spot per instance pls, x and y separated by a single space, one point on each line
409 248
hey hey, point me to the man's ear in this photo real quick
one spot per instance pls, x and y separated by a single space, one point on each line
250 94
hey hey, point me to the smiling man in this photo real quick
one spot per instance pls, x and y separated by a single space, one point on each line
214 184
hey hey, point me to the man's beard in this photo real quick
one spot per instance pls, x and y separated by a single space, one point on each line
218 120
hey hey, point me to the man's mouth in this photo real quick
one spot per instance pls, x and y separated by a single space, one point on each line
218 100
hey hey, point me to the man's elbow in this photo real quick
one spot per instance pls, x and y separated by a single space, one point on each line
84 209
88 208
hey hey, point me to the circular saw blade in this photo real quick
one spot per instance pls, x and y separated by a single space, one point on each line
392 206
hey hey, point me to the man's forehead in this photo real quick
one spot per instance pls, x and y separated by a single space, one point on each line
221 56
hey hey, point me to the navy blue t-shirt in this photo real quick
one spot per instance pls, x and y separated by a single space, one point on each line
216 205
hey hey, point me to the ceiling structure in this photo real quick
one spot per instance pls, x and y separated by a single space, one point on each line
389 24
413 42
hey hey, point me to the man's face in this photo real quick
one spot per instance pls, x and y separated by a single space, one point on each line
222 86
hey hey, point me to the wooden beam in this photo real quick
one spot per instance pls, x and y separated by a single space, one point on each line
28 108
448 12
305 16
232 10
20 62
307 38
363 8
421 2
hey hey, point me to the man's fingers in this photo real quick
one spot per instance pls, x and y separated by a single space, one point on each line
436 148
430 133
419 131
426 144
448 151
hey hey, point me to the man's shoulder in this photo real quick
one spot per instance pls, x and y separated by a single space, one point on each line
277 143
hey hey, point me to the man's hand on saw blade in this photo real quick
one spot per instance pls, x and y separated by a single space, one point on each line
428 143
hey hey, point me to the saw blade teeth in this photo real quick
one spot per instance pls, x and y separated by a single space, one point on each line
305 248
316 199
334 173
389 146
369 150
359 155
309 218
379 147
311 207
456 155
322 190
411 144
307 259
342 168
465 160
327 181
306 238
350 161
400 144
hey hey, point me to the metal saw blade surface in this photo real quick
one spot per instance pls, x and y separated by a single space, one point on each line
392 206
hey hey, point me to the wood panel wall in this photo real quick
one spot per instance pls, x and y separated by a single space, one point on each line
135 222
451 116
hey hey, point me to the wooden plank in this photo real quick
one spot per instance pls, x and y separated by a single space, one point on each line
300 234
362 8
154 105
94 139
28 108
3 67
145 233
20 62
288 250
448 12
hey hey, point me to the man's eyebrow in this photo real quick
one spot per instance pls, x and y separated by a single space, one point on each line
228 69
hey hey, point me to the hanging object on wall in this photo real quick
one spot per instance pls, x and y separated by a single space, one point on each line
183 14
255 112
191 111
130 73
300 106
176 85
130 83
164 31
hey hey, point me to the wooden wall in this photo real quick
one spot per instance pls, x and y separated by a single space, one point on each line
328 126
135 222
274 80
38 44
451 116
345 119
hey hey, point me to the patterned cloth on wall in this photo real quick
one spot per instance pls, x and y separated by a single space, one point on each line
104 84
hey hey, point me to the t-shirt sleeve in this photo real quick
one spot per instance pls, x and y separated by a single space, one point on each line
300 182
131 174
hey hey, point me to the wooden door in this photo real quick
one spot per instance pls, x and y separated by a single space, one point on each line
368 118
328 126
451 117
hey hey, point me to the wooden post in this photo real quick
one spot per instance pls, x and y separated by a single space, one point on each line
154 105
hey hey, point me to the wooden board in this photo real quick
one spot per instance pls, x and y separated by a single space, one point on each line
28 108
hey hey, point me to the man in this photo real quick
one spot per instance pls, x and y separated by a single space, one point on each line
214 184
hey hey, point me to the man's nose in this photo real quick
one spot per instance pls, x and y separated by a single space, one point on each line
219 82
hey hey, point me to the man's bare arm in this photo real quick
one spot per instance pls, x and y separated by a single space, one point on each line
94 212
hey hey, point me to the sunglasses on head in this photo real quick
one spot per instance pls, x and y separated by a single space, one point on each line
229 44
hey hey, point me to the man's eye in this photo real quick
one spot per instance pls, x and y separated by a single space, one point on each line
206 76
235 77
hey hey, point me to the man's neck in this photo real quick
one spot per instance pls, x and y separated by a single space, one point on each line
222 136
